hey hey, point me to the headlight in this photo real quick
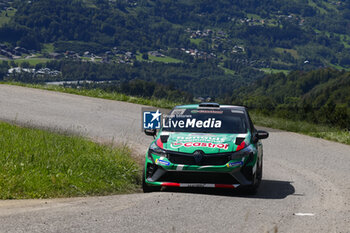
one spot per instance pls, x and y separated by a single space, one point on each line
154 149
242 153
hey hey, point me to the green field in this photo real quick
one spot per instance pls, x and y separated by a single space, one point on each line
292 52
164 59
196 41
254 16
32 61
273 71
314 5
227 71
48 48
5 16
40 164
343 37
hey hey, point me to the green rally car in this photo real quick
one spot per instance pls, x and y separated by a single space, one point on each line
205 145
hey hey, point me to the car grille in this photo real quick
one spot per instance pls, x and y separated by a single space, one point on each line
198 177
208 159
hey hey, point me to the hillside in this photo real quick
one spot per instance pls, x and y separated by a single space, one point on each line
321 96
188 45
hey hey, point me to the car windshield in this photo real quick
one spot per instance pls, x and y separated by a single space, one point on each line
206 121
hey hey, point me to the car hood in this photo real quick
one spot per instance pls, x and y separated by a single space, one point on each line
207 142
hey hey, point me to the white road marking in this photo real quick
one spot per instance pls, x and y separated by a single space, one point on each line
304 214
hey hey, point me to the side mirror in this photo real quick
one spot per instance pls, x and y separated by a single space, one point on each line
151 132
260 134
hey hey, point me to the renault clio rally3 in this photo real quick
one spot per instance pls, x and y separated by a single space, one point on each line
205 145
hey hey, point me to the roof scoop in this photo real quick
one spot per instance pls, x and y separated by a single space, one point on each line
209 105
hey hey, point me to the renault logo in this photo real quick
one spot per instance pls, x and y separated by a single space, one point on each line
198 156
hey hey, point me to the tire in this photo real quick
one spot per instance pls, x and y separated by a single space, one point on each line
257 177
147 188
260 172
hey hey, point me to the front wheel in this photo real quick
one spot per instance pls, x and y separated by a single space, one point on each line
257 177
147 188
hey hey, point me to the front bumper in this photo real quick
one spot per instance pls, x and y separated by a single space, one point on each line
159 171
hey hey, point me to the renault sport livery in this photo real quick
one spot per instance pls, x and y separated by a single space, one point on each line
205 145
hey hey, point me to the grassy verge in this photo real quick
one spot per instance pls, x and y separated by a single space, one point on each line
302 127
40 164
319 131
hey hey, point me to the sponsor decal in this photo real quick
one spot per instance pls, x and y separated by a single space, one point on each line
162 162
192 123
176 145
177 119
207 111
151 119
234 164
206 138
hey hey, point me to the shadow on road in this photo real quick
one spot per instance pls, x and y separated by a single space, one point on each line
269 189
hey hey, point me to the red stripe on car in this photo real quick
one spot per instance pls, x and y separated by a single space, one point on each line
241 146
171 184
160 143
225 186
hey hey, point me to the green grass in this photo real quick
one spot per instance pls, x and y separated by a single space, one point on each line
196 41
48 48
254 16
292 52
89 4
319 131
273 71
5 19
343 37
314 5
164 59
338 67
40 164
32 61
227 71
139 57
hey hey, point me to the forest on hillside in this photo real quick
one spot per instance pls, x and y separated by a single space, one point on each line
288 58
321 96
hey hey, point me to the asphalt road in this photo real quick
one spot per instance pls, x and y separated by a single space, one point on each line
305 188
